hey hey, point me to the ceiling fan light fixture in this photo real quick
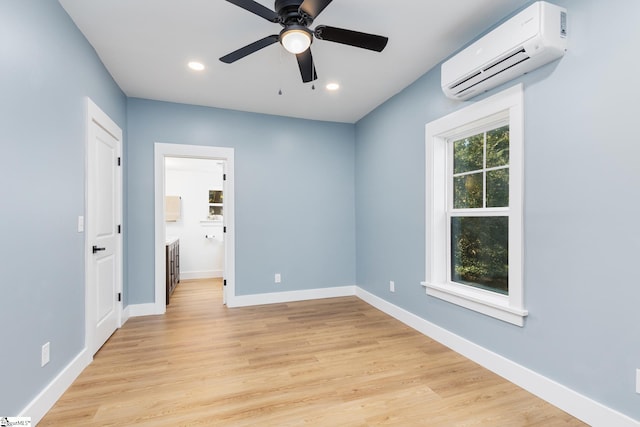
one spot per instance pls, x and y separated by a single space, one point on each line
296 39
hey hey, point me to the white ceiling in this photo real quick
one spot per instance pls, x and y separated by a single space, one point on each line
146 45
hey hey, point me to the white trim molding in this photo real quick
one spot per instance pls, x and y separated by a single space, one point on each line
45 400
570 401
203 274
504 107
490 304
225 154
137 310
291 296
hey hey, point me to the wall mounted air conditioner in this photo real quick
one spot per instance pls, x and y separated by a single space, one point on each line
532 38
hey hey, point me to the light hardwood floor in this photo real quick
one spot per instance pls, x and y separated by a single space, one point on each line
332 362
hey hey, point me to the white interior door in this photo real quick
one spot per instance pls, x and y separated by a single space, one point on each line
104 195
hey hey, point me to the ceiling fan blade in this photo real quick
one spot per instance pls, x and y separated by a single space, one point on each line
257 9
249 49
351 38
307 69
314 7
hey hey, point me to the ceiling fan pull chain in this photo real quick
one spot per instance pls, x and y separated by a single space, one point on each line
280 72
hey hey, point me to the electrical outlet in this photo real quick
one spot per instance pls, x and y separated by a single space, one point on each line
638 381
392 286
278 278
45 353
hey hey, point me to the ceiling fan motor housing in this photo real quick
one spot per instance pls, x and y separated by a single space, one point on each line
290 13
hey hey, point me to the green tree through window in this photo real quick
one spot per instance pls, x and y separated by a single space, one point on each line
480 237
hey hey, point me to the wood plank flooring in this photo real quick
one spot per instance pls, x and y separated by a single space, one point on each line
332 362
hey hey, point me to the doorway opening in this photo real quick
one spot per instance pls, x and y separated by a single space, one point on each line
213 232
194 220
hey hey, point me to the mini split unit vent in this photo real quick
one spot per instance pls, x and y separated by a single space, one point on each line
532 38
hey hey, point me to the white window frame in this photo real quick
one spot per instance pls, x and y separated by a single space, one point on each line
504 107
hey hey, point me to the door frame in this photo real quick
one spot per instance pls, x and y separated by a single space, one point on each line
226 154
96 116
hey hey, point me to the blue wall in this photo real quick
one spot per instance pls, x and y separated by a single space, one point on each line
581 208
294 200
47 68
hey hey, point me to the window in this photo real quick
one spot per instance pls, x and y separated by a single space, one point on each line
215 205
474 212
478 209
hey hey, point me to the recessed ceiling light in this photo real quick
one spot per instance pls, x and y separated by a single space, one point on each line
332 86
197 66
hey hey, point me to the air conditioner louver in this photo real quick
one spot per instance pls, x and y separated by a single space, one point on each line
477 77
534 37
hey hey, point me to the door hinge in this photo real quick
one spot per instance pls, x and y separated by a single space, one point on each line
224 176
224 229
119 161
119 296
224 282
119 229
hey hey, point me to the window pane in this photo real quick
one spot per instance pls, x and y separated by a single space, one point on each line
215 210
498 147
467 191
468 154
480 252
498 188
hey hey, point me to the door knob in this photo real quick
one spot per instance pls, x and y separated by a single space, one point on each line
97 249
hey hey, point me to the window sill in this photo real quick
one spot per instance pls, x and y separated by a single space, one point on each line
484 302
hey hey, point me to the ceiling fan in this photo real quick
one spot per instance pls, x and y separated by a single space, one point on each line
295 16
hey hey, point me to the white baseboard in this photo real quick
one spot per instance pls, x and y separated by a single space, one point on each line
126 314
570 401
290 296
45 400
136 310
208 274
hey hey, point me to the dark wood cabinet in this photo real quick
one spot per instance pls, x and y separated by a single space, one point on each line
172 266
